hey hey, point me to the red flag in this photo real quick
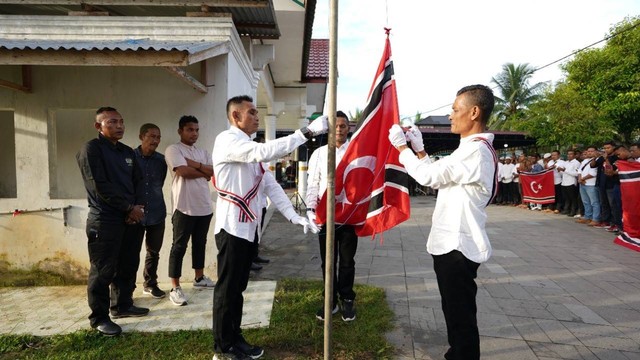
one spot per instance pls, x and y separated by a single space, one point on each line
538 188
629 173
371 184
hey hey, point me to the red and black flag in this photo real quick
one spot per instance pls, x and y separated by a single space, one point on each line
538 188
629 173
370 183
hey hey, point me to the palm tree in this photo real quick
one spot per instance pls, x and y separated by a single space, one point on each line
355 116
514 95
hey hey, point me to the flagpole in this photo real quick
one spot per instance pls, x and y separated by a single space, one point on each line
331 169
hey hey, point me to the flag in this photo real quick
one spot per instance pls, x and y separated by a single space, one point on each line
629 173
370 183
538 188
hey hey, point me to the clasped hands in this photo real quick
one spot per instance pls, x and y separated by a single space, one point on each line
399 137
308 223
135 215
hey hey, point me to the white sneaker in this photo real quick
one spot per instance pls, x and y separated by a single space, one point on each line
204 283
177 297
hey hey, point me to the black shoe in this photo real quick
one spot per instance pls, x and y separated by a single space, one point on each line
132 311
154 291
320 312
231 354
256 267
254 352
261 260
348 310
108 328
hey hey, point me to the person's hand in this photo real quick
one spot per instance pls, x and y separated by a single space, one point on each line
319 126
313 226
415 137
299 220
396 136
136 214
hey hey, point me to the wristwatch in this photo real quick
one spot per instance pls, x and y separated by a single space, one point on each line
306 132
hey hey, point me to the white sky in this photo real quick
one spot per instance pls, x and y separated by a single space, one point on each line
439 46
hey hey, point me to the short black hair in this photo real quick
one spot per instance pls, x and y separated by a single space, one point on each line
592 147
635 144
146 127
481 96
342 115
556 151
104 109
237 100
185 119
612 143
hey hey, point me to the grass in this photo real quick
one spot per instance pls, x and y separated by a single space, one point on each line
294 333
34 277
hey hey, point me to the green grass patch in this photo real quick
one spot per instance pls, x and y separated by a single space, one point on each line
294 333
35 277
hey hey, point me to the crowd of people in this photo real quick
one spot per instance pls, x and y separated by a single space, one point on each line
587 186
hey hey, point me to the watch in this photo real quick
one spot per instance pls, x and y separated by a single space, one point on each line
306 132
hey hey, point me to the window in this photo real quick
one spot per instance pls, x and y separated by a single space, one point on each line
8 183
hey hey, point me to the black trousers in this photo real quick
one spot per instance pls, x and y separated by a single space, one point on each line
344 263
456 281
153 243
124 281
264 213
185 227
571 198
104 243
234 262
605 209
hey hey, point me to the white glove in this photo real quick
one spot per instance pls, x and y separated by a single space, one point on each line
415 137
319 126
299 220
396 136
313 226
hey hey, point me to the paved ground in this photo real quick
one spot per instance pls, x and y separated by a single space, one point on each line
553 289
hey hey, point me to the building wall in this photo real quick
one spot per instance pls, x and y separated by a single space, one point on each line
51 124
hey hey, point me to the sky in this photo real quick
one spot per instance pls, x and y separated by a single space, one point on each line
440 46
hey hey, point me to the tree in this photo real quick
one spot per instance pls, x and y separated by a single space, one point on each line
514 95
609 78
355 116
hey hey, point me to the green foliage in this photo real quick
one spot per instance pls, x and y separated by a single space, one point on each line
355 116
514 95
294 333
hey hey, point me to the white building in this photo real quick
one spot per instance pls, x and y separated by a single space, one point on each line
153 60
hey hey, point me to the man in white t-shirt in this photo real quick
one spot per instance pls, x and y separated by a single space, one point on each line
192 206
589 192
569 185
506 176
555 162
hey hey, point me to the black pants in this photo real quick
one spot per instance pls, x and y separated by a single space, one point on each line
559 199
153 243
185 227
124 281
571 198
344 263
104 243
234 262
605 209
456 274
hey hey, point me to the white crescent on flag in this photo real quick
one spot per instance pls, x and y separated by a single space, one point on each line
535 187
367 162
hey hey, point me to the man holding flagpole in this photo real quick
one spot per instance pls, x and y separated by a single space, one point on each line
467 181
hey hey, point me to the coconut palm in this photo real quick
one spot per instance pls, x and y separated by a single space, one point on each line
355 116
514 95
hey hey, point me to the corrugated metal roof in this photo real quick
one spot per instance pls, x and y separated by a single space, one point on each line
191 47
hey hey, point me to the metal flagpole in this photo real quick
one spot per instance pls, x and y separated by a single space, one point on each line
331 170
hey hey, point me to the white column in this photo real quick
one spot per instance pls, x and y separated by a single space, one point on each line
303 166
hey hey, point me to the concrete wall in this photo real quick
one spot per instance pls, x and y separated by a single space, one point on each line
51 124
8 187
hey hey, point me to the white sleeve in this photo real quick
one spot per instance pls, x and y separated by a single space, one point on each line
313 180
279 198
174 158
247 151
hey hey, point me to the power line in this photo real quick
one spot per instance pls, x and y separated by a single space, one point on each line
553 62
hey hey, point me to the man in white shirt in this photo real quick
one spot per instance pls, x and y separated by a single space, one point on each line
346 240
241 182
506 176
458 241
569 171
555 162
589 192
192 206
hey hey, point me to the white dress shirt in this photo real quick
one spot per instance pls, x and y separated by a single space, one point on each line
557 176
586 169
189 196
465 180
506 173
237 168
317 173
570 173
